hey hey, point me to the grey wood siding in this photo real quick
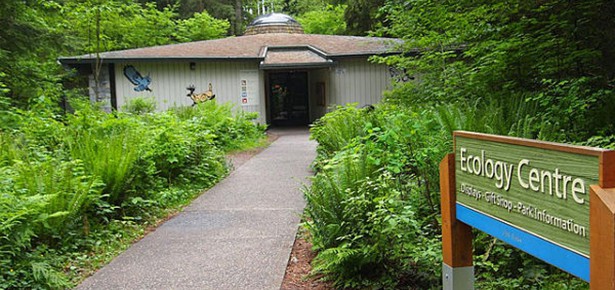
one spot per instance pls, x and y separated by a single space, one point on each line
349 81
316 77
170 79
358 81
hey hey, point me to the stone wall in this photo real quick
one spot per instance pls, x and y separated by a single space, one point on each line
103 88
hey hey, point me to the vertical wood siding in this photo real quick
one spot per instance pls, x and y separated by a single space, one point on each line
315 77
358 81
350 81
170 79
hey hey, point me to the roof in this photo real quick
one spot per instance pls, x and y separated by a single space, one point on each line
250 47
282 57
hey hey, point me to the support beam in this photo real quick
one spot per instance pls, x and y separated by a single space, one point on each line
458 269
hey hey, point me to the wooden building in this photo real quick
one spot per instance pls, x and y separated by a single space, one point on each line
288 77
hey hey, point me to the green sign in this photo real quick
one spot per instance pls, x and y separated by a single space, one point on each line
544 192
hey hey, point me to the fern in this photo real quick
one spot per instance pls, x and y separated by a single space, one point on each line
45 274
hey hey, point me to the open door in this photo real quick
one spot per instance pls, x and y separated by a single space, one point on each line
288 98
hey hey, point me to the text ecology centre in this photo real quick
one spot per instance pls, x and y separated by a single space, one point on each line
550 182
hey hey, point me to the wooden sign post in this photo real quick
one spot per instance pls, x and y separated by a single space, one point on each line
457 266
533 195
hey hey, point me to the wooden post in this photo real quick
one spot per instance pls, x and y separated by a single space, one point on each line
602 238
607 169
602 226
457 269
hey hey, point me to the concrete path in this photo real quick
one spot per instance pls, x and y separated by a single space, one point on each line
237 235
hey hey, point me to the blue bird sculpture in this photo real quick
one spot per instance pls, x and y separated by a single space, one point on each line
141 83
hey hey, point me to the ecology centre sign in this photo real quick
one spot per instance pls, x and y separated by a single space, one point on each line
528 185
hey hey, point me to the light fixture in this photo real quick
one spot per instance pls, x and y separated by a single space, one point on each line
192 66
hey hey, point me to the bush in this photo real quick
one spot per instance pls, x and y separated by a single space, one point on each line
337 129
108 147
39 204
69 183
140 106
372 210
373 207
231 130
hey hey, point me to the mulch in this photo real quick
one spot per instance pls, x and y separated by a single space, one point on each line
299 267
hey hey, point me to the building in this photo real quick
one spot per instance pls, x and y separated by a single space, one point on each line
288 77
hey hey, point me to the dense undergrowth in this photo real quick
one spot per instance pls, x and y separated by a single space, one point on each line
77 188
373 207
533 69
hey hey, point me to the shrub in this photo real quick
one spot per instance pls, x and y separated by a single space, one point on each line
373 201
108 147
70 183
337 129
230 129
140 106
389 156
181 150
40 202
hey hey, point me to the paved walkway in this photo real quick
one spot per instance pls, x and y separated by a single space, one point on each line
237 235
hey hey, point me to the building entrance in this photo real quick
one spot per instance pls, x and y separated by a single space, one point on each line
288 94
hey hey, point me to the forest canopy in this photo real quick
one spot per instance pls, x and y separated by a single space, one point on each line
544 69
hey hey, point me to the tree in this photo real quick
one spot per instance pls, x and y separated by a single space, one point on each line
29 43
201 26
550 62
363 16
329 20
34 34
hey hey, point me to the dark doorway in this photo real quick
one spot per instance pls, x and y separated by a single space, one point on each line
288 98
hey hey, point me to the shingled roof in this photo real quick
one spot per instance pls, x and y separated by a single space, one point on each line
250 47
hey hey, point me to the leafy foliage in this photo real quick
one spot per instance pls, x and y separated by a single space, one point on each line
73 182
373 207
329 20
528 69
547 59
373 200
124 25
193 28
363 16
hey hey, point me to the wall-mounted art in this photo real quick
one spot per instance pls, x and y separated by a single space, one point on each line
202 97
141 82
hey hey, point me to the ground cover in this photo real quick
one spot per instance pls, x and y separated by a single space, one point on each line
79 188
373 212
297 275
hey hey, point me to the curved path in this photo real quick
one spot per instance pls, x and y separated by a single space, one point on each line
237 235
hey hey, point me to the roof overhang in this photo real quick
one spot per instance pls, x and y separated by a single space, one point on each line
91 60
305 56
252 48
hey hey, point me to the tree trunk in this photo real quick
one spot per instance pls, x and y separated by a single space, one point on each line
98 65
238 17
